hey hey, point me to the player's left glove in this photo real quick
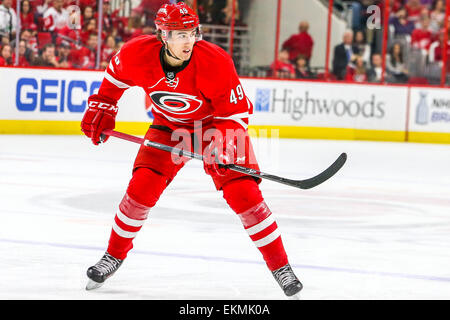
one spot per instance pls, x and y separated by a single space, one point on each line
100 115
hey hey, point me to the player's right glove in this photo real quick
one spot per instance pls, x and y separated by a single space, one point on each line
219 151
228 146
100 115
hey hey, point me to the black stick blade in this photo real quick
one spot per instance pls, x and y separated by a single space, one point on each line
301 184
324 175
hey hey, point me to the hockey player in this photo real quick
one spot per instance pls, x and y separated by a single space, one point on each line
193 86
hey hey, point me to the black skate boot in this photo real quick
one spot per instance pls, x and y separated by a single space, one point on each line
102 270
288 281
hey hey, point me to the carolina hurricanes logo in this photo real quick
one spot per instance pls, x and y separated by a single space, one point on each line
175 103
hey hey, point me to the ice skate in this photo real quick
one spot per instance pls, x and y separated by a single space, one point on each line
288 281
102 270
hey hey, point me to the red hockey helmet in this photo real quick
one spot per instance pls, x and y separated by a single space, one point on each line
175 17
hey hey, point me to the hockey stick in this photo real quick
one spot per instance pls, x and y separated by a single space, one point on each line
301 184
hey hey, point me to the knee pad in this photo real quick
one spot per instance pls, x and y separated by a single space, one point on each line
242 194
146 186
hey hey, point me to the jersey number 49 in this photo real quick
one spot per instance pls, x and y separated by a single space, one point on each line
240 94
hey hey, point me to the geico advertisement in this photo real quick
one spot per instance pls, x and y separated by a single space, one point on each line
429 110
45 94
327 105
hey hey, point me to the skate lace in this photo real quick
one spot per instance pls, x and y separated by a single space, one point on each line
285 276
107 264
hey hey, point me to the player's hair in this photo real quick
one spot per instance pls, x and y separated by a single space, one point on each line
159 36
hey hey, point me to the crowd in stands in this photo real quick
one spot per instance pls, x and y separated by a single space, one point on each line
414 47
415 41
52 34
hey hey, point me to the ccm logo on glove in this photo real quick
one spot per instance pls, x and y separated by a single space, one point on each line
103 105
100 115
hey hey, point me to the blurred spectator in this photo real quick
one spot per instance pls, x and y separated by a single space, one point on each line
423 37
64 56
6 55
147 8
395 66
300 43
41 8
217 14
47 58
425 14
119 45
89 26
282 66
134 27
402 26
302 70
374 73
120 31
438 49
23 60
88 14
108 51
107 16
30 42
26 15
344 53
360 13
204 10
363 47
56 17
427 3
438 12
396 5
356 72
374 36
85 57
8 19
414 9
228 12
4 40
84 3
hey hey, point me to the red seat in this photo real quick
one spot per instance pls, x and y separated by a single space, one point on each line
321 76
418 80
43 38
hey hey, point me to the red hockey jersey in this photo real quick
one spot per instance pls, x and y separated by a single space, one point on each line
207 89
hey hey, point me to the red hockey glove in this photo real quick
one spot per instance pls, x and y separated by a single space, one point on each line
228 146
100 115
219 151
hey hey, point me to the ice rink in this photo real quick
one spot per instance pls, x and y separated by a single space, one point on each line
379 229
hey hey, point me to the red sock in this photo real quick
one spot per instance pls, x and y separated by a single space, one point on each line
143 192
244 197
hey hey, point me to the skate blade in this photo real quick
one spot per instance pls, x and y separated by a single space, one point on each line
91 285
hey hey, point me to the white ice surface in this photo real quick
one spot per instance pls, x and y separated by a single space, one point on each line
379 229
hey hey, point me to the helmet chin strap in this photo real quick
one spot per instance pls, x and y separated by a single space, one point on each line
170 54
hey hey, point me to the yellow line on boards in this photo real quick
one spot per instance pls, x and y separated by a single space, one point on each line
429 137
62 127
